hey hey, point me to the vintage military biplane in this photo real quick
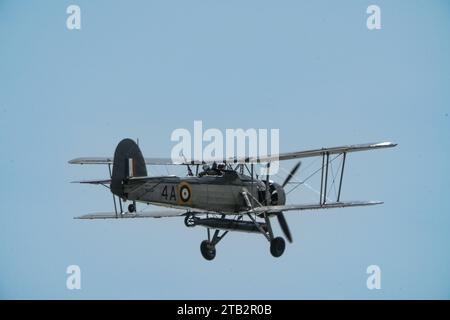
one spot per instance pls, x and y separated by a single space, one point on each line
221 197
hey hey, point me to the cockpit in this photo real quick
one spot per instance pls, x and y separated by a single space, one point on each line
213 170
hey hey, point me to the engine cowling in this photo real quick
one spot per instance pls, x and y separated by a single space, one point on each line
277 195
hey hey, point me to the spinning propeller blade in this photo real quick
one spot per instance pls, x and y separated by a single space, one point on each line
281 219
284 226
291 174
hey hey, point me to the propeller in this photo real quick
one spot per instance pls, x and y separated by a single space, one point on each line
284 226
291 174
280 215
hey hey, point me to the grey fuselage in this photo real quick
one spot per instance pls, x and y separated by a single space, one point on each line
218 193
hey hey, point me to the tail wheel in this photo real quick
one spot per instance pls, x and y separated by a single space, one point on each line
277 246
131 208
208 250
189 221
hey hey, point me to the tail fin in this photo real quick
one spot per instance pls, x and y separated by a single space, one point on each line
128 162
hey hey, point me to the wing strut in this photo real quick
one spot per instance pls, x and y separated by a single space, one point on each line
342 175
114 196
324 176
324 184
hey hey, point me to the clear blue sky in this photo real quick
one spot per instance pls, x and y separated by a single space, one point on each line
144 68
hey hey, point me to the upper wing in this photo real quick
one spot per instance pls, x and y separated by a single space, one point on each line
279 157
294 207
317 152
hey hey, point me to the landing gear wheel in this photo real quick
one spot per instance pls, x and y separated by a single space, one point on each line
131 208
189 221
277 246
208 250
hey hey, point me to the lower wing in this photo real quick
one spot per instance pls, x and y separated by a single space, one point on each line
315 206
262 209
128 215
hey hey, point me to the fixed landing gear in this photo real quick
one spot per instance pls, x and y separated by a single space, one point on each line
208 250
208 246
277 246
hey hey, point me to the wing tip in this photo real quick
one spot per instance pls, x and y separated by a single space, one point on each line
375 202
384 144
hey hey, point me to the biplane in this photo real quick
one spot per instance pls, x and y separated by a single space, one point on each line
225 196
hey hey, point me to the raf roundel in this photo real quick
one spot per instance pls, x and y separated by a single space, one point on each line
185 193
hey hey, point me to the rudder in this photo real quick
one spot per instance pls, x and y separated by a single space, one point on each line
128 162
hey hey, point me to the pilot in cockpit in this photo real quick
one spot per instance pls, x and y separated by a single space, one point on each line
214 170
221 169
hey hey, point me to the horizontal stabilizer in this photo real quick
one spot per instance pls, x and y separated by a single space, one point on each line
104 181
